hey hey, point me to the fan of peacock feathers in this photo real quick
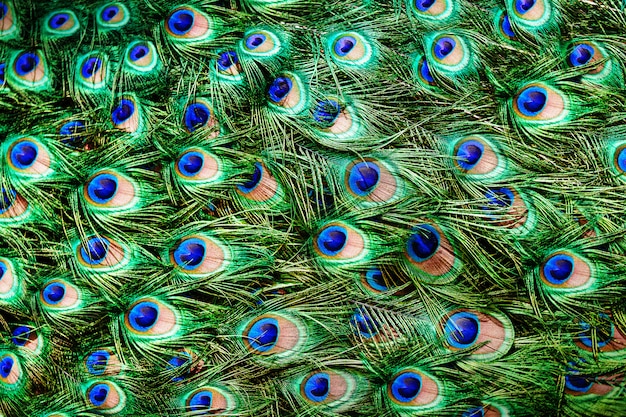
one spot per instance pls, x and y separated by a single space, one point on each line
313 208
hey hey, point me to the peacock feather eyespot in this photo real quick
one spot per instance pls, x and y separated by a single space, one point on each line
617 155
183 358
105 396
278 335
340 242
465 329
10 284
430 252
70 133
366 327
92 70
564 271
503 26
112 16
330 388
534 13
335 119
414 389
603 335
102 362
432 10
350 49
126 114
209 401
477 157
538 103
262 187
61 23
421 69
261 43
151 318
3 67
110 190
287 93
371 181
199 114
8 22
373 281
228 66
326 112
27 156
195 165
13 207
27 337
508 208
11 375
199 254
449 54
141 57
59 295
29 70
592 55
188 24
101 253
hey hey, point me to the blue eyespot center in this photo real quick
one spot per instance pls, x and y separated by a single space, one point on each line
97 362
424 70
443 47
332 240
197 115
505 25
26 63
469 153
201 401
254 181
474 412
364 177
227 59
365 325
190 163
604 330
24 154
109 12
144 316
326 112
2 71
21 335
578 383
422 245
6 365
523 6
255 40
8 197
95 250
54 292
91 66
424 5
375 279
279 89
190 253
123 111
58 20
102 188
532 100
558 268
462 329
621 159
263 334
138 52
71 130
344 45
498 198
581 55
180 22
317 387
406 386
4 9
98 394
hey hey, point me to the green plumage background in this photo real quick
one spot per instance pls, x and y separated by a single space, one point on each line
307 208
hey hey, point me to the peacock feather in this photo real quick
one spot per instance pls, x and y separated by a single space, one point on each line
302 208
